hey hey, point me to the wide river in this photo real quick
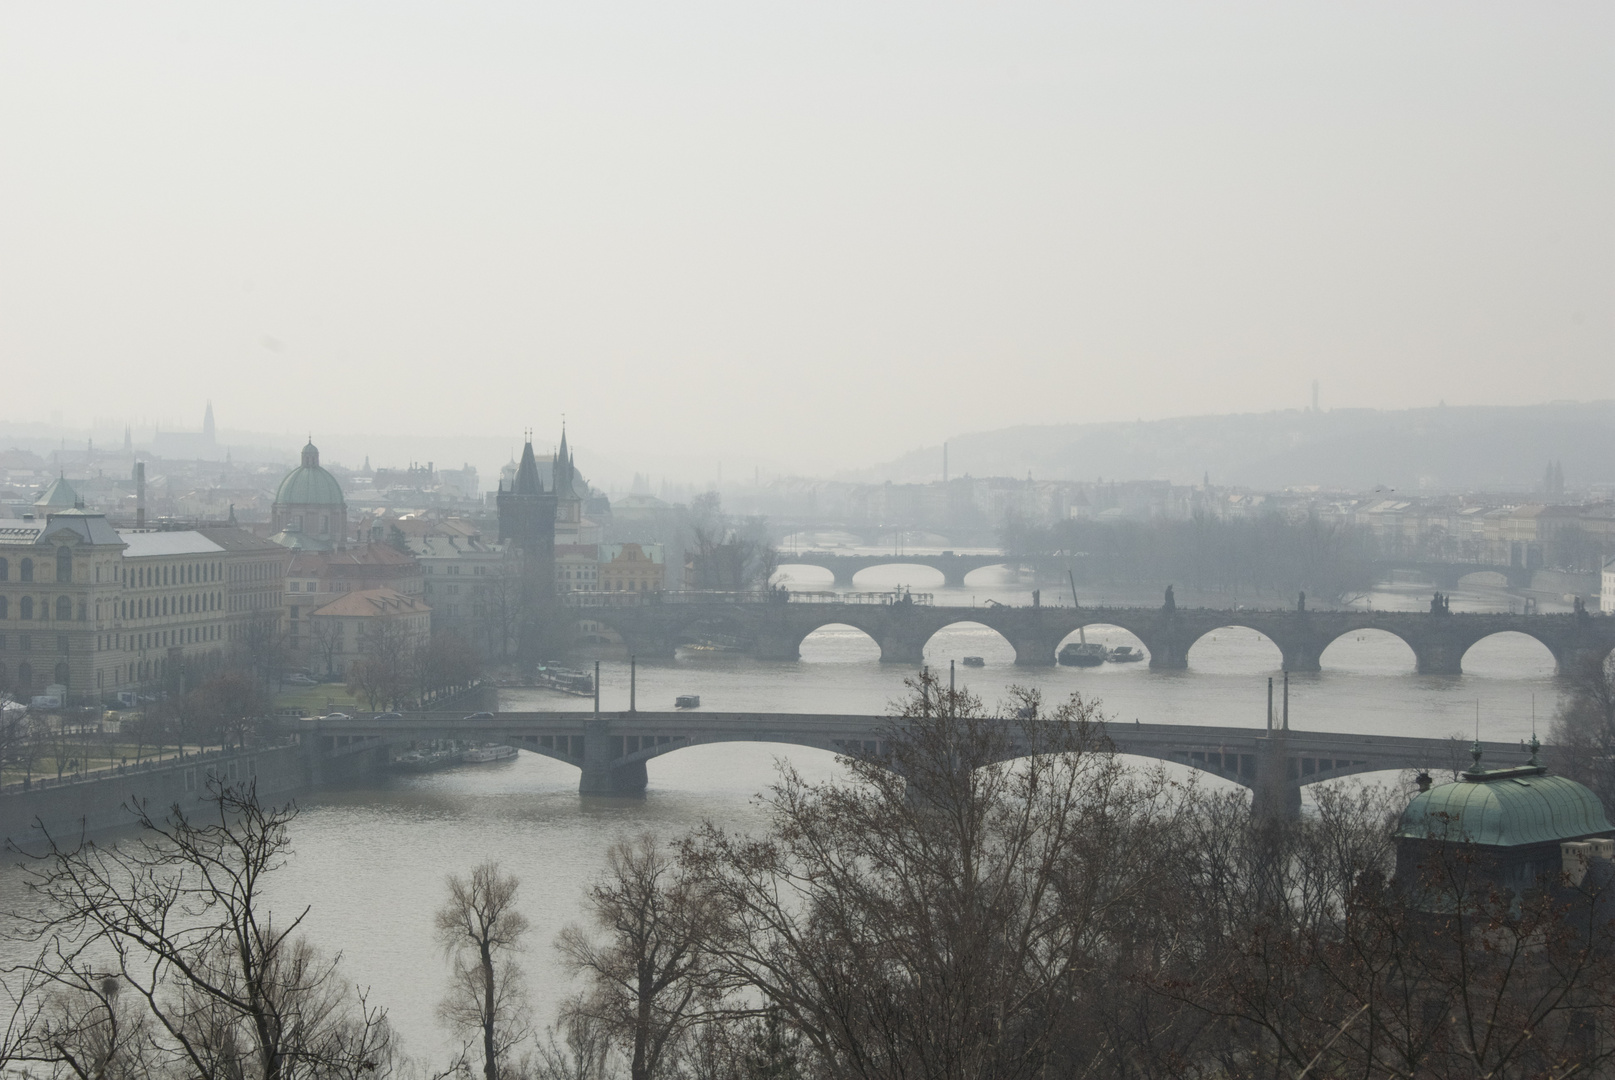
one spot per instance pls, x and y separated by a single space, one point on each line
371 862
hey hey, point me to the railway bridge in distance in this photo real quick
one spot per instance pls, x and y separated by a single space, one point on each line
610 749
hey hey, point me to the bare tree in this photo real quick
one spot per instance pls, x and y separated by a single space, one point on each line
177 919
576 1047
653 974
480 930
1582 738
325 642
932 916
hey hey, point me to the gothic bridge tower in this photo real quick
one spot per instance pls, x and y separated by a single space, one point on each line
527 523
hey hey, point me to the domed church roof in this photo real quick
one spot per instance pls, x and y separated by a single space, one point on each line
308 484
1505 808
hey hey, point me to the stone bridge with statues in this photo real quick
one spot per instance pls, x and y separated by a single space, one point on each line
610 750
845 567
773 628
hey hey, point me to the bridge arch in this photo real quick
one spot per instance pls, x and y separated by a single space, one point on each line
898 571
1002 569
1234 648
803 574
968 637
1513 654
1109 634
714 632
839 643
1371 650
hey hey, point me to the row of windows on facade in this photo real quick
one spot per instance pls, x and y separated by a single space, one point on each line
140 577
25 674
152 639
145 607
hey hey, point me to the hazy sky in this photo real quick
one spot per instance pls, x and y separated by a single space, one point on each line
807 234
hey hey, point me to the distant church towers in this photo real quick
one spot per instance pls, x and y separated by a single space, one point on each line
207 424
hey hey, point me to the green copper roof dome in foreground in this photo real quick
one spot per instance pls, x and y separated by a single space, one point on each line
308 484
1505 808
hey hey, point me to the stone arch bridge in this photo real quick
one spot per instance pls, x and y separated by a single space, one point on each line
610 749
846 567
776 628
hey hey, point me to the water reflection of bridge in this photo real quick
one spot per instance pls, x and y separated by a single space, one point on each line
774 628
610 749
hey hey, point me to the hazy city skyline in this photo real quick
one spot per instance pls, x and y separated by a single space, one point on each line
827 236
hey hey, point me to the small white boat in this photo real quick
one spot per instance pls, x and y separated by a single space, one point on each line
1125 654
687 701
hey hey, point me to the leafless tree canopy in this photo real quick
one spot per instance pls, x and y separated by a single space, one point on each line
159 957
480 931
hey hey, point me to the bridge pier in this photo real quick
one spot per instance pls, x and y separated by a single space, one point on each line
1437 656
600 778
1302 657
903 648
1276 793
1167 653
780 644
1035 650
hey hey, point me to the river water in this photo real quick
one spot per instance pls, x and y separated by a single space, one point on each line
371 862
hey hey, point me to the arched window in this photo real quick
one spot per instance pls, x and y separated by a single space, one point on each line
61 672
26 570
27 608
64 608
5 570
25 675
64 564
5 607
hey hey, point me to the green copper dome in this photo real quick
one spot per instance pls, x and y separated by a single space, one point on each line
308 484
1505 808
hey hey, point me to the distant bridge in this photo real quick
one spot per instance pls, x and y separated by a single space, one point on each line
610 749
846 567
775 629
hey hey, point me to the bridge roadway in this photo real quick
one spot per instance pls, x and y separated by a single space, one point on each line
776 627
610 749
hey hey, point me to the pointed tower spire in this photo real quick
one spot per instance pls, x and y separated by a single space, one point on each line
207 423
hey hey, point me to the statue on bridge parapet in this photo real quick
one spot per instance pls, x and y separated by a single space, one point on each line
1171 604
1440 604
1301 604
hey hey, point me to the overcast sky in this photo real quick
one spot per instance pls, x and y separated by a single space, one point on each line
809 235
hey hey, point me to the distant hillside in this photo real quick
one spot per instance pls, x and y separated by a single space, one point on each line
1445 448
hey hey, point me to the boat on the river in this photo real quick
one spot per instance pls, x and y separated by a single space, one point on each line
687 701
564 680
973 661
1125 654
481 755
1082 652
426 759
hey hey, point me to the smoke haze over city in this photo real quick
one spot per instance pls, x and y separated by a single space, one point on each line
800 238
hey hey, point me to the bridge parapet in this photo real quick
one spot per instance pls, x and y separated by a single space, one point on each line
611 749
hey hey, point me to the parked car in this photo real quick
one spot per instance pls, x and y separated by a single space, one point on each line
301 680
480 716
389 716
336 716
